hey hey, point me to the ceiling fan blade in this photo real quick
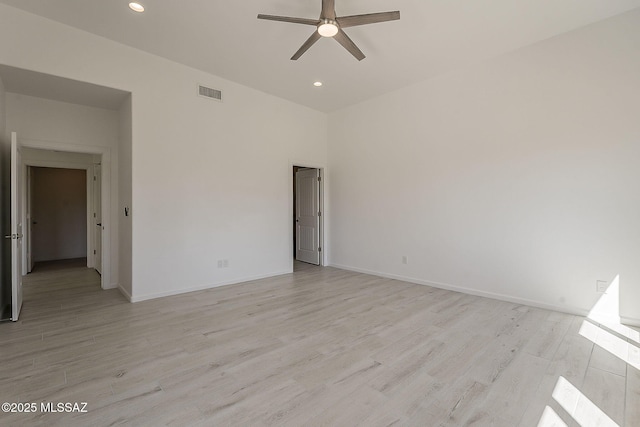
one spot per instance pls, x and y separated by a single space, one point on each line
369 18
310 41
348 44
328 9
290 19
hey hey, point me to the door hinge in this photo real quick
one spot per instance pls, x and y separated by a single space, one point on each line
319 249
94 178
319 213
319 179
94 251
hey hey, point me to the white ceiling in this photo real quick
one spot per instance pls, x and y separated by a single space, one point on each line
225 38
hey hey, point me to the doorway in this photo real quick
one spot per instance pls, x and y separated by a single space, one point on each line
307 213
56 215
94 250
26 155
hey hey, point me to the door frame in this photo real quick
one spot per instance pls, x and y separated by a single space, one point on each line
27 218
89 173
92 234
17 226
105 161
321 233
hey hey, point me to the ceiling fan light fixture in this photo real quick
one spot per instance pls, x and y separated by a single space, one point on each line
136 7
328 28
329 25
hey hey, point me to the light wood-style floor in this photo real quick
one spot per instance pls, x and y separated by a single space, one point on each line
321 346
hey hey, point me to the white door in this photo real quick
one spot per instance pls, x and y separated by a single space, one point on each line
16 228
308 216
97 217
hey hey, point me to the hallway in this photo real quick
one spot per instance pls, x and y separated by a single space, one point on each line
55 290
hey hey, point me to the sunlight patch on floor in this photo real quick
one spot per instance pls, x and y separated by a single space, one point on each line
581 409
615 345
607 312
603 328
551 419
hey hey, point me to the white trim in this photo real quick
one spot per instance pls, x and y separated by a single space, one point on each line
90 222
630 321
139 298
57 164
26 216
88 168
105 155
126 294
323 217
49 145
115 285
502 297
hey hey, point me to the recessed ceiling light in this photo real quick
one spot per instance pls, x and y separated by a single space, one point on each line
317 84
136 7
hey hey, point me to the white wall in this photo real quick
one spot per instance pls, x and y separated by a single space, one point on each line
47 121
124 222
59 213
210 180
517 177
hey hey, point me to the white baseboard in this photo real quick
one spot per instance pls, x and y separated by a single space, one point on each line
630 321
138 298
112 286
502 297
126 294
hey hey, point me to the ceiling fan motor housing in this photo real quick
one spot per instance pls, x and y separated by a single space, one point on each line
328 28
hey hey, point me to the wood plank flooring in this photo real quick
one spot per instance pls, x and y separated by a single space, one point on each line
320 346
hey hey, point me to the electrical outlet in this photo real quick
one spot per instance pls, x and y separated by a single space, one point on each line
225 263
601 286
220 263
405 259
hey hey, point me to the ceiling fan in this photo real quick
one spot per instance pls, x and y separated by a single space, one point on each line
330 25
